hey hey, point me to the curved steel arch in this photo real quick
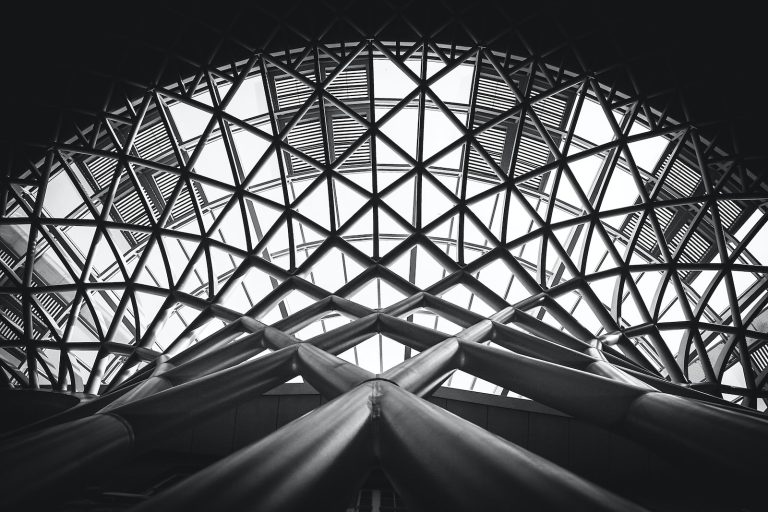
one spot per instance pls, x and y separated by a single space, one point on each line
503 90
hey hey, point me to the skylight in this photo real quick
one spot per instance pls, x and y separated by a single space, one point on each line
527 183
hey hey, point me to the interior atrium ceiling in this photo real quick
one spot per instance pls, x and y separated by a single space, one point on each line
374 170
383 197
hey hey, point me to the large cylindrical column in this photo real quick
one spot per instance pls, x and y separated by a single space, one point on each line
316 462
171 372
209 345
421 374
62 455
107 438
438 461
328 374
670 424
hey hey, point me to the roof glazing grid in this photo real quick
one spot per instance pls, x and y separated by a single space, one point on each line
375 172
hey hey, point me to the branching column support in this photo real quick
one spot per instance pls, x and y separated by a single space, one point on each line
323 458
669 424
198 361
422 445
151 411
75 450
319 460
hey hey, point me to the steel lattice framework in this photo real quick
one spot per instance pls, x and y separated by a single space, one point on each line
204 239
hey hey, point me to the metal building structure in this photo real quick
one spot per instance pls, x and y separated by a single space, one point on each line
380 213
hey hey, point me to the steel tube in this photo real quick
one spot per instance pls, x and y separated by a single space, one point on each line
535 326
209 345
141 423
347 336
725 439
154 384
668 424
410 334
328 374
318 461
422 373
66 454
422 446
81 410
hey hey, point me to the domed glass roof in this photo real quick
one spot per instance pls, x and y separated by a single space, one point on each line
436 183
